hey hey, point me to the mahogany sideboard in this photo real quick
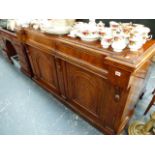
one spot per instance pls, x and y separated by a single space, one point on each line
11 46
99 84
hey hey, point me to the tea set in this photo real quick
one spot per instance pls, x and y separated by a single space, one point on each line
117 35
50 26
85 31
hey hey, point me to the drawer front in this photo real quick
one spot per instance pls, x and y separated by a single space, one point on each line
39 39
82 54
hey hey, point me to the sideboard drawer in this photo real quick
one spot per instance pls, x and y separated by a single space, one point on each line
82 54
47 42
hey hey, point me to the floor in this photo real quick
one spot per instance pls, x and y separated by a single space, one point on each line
27 109
143 104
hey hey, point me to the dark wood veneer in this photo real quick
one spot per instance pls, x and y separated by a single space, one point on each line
99 84
11 46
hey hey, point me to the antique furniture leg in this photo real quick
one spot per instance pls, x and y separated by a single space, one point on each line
150 105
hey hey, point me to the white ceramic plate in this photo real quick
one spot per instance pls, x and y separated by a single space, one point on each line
89 38
56 30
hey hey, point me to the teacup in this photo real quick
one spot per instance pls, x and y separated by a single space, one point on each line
146 30
135 44
141 30
138 25
127 30
146 38
100 25
119 43
106 41
126 24
140 35
105 32
73 33
114 24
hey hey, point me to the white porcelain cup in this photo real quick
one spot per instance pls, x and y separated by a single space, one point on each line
146 38
135 45
138 25
119 43
106 41
140 37
114 24
141 31
100 24
73 33
105 32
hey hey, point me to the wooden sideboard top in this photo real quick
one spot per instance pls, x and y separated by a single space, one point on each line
8 32
126 55
127 58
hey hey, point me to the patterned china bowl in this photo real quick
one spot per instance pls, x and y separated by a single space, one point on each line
89 36
88 32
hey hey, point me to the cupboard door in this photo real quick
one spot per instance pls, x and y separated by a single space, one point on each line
85 89
44 69
23 59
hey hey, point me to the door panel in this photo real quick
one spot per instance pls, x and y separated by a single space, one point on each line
85 89
43 66
92 93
